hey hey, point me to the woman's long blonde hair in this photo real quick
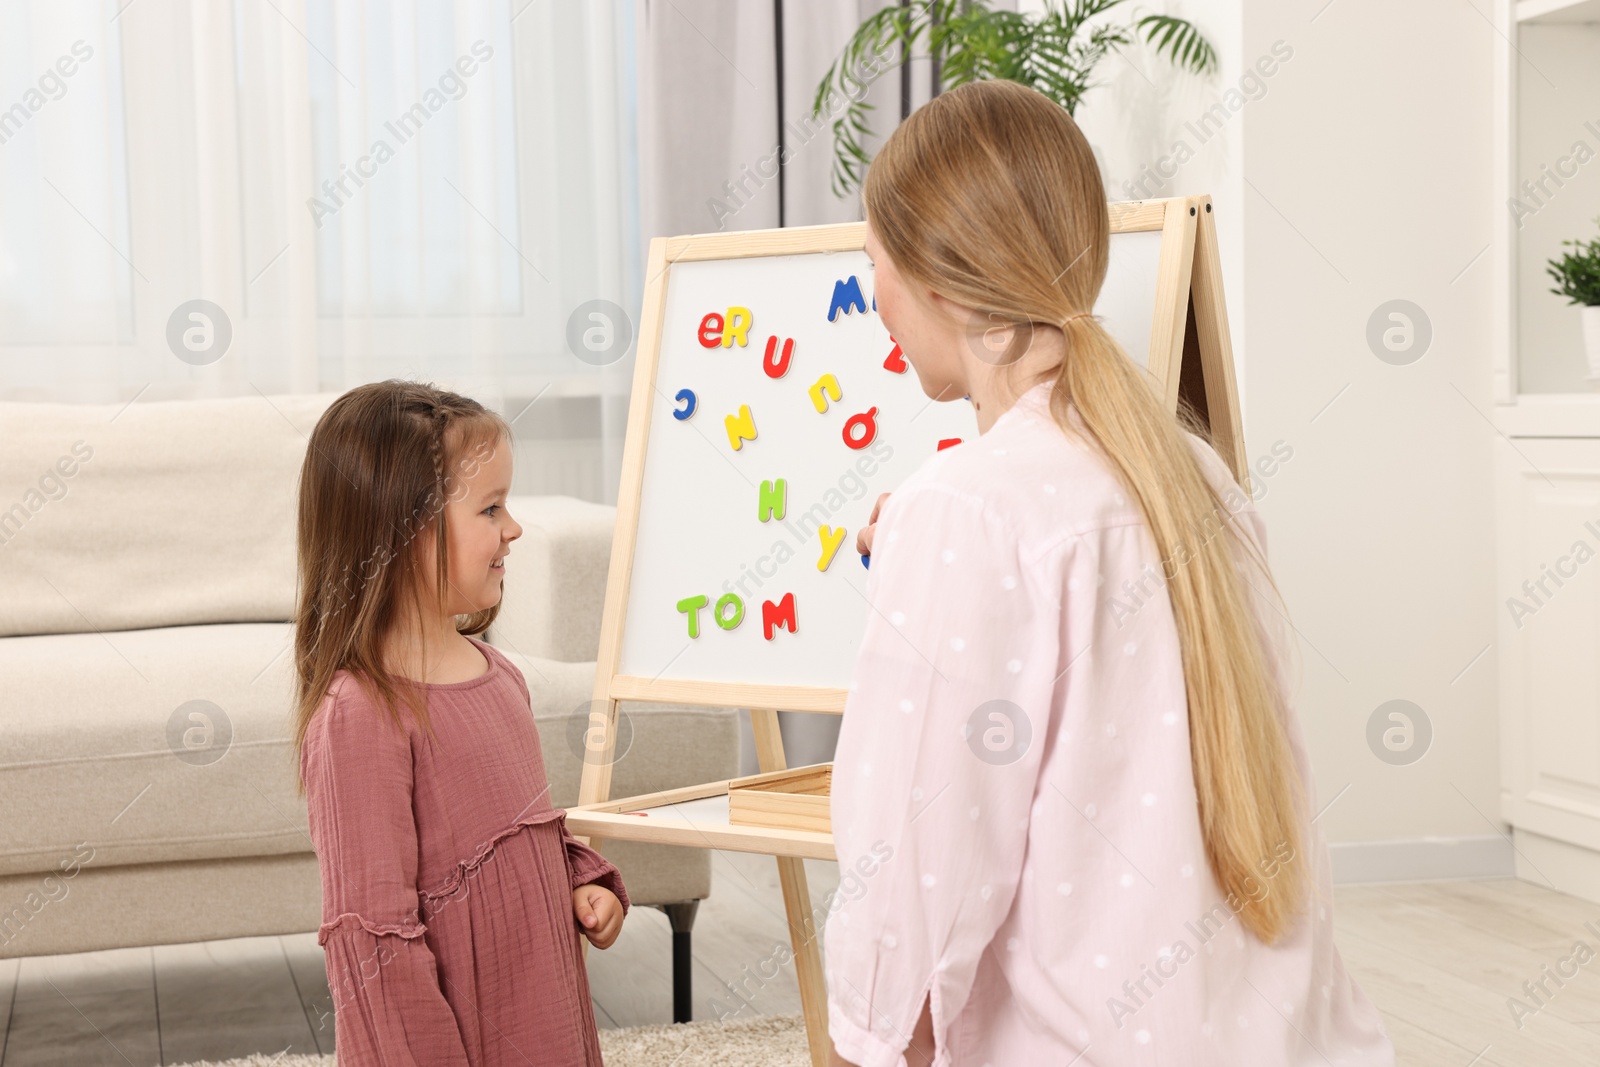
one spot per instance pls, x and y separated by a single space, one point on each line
381 464
990 196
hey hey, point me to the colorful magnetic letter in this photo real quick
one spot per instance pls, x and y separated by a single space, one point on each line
690 606
826 384
777 368
846 298
711 330
686 398
831 540
772 499
896 361
741 427
738 325
738 611
948 442
779 614
867 423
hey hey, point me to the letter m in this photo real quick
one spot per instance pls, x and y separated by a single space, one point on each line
846 298
776 615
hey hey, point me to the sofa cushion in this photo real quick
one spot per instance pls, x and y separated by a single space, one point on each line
100 747
101 743
156 513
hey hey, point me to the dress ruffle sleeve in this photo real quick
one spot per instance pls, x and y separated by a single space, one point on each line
585 866
390 1009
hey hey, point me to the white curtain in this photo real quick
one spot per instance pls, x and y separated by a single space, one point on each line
364 188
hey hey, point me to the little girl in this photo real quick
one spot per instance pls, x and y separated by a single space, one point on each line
452 894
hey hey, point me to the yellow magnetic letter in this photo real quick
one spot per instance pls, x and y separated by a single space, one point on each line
736 326
831 540
741 427
825 384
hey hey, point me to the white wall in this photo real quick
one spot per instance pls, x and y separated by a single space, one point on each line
1367 172
1357 173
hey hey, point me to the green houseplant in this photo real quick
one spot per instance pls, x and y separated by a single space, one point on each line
1577 275
1055 52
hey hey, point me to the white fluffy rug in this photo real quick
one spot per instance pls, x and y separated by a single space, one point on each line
764 1041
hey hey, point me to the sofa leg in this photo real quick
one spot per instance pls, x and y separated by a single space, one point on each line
681 916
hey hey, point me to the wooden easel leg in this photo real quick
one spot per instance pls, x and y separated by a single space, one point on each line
804 934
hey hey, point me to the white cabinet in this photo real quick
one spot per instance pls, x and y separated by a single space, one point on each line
1548 503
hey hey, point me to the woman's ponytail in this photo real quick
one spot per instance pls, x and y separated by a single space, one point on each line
990 196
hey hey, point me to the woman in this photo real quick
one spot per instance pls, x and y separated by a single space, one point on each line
1068 775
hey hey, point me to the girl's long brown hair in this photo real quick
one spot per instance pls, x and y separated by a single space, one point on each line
990 196
382 463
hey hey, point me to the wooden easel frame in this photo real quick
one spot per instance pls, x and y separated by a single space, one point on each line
1190 356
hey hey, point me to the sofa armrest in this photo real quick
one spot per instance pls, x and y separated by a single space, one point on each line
555 584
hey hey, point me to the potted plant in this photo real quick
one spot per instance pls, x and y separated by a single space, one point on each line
1054 52
1577 275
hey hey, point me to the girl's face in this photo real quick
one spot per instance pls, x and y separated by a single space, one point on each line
481 531
921 323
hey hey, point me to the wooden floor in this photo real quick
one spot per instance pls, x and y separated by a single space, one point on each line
1443 961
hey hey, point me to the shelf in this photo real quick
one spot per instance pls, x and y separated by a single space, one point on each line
699 822
1551 11
1550 415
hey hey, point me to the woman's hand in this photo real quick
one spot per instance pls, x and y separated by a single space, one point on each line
864 537
599 914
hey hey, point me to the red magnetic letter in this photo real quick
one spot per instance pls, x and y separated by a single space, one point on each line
711 330
896 361
777 368
779 614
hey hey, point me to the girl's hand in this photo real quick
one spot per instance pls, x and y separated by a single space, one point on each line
864 537
599 914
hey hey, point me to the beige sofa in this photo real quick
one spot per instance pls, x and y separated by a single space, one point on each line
146 770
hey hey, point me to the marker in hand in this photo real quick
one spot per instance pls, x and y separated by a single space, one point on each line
864 537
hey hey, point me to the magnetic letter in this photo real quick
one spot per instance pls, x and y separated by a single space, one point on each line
738 325
896 361
779 614
826 384
738 611
847 298
741 427
690 606
686 398
777 368
867 422
711 330
772 500
831 540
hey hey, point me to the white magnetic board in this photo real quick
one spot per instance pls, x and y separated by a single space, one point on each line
699 531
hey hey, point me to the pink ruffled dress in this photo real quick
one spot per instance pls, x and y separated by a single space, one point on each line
447 880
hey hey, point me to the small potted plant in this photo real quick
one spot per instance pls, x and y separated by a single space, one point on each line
1577 275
